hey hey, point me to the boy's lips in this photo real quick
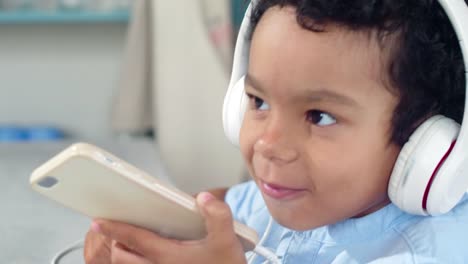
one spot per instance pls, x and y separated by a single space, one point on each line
279 192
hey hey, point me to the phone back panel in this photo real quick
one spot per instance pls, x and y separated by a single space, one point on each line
102 190
100 185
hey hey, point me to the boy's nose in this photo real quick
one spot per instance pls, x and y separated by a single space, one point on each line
274 149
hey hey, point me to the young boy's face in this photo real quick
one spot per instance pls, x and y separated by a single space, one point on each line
316 135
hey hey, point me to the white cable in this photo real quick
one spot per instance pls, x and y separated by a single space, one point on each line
267 254
262 240
267 231
75 246
250 257
262 251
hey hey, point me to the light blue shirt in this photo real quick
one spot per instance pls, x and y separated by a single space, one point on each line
388 235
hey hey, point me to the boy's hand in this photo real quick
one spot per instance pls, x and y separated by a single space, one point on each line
139 246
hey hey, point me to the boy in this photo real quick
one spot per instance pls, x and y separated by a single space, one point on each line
335 89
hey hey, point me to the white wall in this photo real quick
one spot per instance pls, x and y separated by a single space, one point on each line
189 125
59 74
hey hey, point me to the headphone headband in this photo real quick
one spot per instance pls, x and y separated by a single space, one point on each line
234 114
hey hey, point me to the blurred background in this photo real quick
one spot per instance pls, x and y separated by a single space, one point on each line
113 71
143 79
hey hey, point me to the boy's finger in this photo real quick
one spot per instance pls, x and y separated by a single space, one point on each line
97 248
121 256
218 216
139 240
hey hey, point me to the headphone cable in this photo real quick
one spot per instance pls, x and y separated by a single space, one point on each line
73 247
263 251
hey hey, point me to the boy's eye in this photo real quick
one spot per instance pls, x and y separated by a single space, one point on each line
258 103
320 118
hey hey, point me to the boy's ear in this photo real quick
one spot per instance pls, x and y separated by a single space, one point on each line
419 184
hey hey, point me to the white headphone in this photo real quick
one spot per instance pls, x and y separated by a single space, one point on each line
430 175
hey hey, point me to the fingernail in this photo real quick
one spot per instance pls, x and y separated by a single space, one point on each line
204 197
95 227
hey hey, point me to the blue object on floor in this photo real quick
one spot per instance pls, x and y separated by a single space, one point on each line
44 133
12 134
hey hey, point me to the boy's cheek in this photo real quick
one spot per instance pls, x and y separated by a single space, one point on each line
247 139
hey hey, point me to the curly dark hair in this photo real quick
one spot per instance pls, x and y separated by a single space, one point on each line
425 69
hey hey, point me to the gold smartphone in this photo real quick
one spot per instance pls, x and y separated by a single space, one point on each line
98 184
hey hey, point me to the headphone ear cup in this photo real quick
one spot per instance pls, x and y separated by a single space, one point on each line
418 160
235 104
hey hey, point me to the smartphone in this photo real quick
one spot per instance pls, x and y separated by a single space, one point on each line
98 184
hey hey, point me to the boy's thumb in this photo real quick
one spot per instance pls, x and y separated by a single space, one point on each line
217 215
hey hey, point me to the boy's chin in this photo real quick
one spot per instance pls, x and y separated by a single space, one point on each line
298 226
298 222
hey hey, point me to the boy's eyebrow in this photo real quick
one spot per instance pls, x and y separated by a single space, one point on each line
318 95
321 95
249 79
